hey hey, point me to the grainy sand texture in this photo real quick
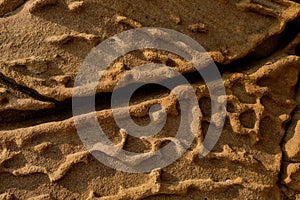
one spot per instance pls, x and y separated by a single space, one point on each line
256 47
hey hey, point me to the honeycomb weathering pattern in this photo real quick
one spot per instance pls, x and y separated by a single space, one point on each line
94 67
255 151
43 43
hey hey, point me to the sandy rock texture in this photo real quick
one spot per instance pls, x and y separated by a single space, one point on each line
256 46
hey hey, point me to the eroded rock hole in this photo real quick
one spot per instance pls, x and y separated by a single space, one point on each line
239 90
248 119
230 108
205 106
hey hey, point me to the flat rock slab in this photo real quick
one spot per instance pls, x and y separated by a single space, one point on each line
44 42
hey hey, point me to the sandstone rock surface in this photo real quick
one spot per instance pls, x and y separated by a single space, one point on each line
256 47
